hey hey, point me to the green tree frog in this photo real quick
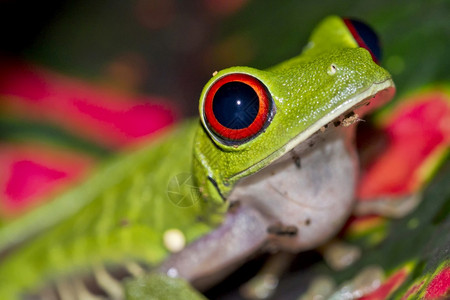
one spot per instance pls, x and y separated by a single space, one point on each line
273 162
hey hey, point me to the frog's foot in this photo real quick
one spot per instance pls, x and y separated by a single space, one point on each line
82 291
339 254
213 256
70 289
110 285
100 282
320 288
389 207
368 280
264 284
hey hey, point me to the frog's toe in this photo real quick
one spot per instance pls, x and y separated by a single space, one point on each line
368 280
320 288
264 284
392 207
339 254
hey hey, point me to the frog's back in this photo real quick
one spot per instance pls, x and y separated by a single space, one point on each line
124 212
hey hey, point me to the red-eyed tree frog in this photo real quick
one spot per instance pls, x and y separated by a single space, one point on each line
270 164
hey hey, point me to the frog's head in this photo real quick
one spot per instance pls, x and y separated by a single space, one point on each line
249 117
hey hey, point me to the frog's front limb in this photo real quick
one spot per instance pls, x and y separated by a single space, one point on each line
206 260
307 202
293 206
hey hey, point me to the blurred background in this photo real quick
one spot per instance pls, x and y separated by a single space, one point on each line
170 48
70 69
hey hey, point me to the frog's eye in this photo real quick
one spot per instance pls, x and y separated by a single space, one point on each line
237 107
365 37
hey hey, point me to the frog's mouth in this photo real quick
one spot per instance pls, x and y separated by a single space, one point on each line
345 114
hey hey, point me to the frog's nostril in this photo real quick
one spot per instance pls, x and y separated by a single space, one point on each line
332 69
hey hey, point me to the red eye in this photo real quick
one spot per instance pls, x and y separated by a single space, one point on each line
365 37
237 107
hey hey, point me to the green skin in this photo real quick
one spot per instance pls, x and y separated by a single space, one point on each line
121 213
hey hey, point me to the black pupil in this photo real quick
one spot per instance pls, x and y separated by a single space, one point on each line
235 105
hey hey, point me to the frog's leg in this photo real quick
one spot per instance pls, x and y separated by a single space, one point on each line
243 232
